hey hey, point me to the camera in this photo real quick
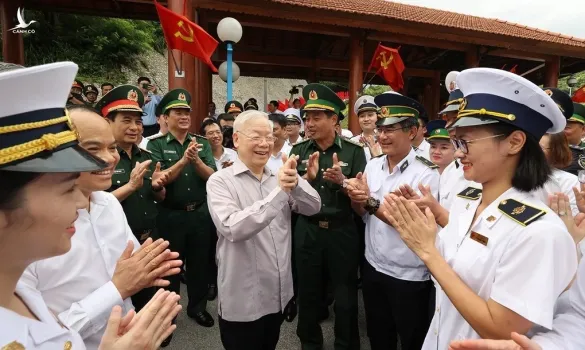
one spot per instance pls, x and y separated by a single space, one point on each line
293 91
146 86
228 133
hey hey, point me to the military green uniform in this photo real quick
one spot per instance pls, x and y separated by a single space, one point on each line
140 207
183 216
328 240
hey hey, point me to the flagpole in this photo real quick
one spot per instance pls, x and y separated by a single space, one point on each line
229 70
372 78
177 68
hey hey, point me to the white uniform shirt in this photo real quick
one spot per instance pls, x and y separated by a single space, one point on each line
523 268
77 285
43 334
385 250
453 182
569 324
358 139
275 161
228 155
143 143
424 149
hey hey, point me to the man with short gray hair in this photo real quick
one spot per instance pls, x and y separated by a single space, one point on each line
251 208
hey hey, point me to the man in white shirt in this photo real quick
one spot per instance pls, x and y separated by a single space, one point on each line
251 208
280 145
294 125
421 146
223 156
396 284
105 265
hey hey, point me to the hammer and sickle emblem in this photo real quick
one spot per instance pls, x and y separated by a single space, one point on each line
385 62
187 38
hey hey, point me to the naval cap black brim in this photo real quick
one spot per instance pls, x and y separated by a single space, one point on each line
68 160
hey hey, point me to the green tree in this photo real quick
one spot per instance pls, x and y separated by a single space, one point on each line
99 45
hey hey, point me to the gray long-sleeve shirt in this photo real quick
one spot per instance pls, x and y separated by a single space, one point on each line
253 220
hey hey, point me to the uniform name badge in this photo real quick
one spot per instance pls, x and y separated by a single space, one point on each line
479 238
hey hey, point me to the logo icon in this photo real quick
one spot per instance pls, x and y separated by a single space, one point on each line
22 25
132 96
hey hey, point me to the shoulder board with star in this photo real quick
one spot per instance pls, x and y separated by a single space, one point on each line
154 137
519 212
470 193
197 135
353 142
427 162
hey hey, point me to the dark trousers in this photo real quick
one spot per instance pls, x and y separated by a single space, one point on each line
334 250
188 234
150 130
261 334
396 308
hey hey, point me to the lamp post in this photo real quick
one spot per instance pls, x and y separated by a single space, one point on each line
572 82
229 31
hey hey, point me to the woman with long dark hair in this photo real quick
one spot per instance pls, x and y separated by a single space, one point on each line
503 259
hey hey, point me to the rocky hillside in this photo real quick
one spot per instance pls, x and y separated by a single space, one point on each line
154 65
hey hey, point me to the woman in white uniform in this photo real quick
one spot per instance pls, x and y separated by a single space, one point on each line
40 162
503 259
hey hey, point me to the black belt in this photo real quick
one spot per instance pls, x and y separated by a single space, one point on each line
186 207
327 222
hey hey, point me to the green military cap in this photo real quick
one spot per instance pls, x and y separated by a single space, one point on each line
395 108
578 113
90 88
123 98
233 106
321 98
436 130
177 98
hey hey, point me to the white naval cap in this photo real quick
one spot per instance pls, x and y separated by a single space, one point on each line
365 103
36 132
293 115
494 95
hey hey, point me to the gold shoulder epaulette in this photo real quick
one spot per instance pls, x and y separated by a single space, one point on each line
470 193
354 142
522 213
427 162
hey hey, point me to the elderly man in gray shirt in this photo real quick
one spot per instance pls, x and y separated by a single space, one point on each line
251 208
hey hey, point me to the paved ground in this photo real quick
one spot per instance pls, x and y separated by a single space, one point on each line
190 336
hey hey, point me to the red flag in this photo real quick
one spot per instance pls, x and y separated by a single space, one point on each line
579 95
389 65
344 95
282 106
183 35
302 100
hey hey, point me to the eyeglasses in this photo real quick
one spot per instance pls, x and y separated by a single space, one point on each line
211 133
462 144
259 139
387 130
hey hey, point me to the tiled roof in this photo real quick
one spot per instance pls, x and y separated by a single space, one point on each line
426 15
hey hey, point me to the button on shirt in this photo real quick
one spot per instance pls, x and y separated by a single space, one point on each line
569 324
253 221
228 155
78 285
385 250
42 334
275 161
523 268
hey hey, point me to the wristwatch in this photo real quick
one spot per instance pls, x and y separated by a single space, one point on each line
372 205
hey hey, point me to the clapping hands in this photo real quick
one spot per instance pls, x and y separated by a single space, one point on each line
287 175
